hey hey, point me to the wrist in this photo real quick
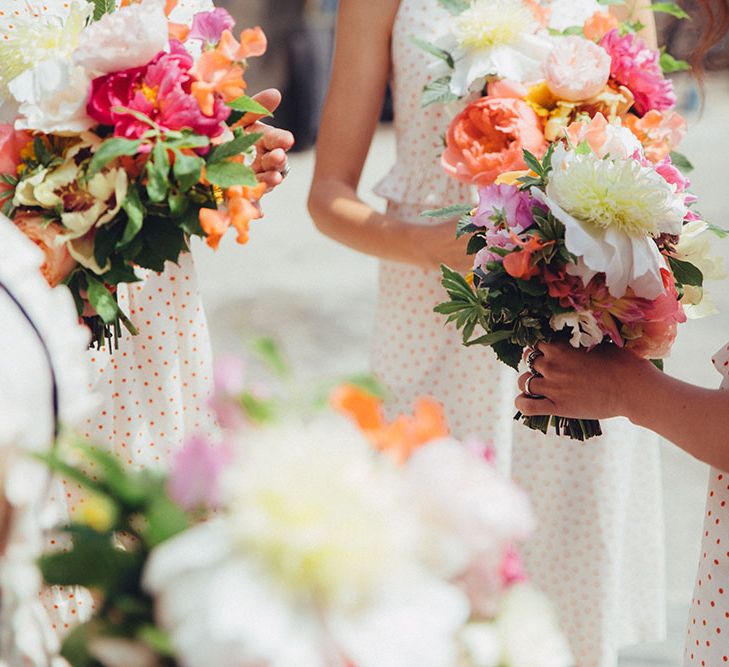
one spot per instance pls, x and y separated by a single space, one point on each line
638 386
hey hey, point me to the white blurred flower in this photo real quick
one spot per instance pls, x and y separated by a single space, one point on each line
611 209
495 38
586 331
52 98
318 556
129 37
572 13
481 645
529 632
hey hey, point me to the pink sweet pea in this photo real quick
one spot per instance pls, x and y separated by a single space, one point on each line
637 67
195 479
208 27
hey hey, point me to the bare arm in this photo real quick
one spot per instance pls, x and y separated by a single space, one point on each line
360 73
610 382
640 11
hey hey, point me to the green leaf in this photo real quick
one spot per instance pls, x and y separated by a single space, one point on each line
190 222
160 240
187 170
179 204
448 211
110 150
671 8
238 146
158 173
465 226
105 242
165 520
76 645
134 209
658 363
268 351
491 338
125 486
229 174
719 231
508 353
686 273
259 410
454 6
185 140
102 300
681 162
247 104
157 639
434 50
438 92
669 64
103 7
475 243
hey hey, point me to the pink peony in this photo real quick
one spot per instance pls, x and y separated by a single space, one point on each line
637 67
58 263
160 91
12 142
577 69
488 138
194 482
208 27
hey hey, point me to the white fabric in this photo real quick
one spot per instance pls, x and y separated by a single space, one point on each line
598 551
154 388
707 641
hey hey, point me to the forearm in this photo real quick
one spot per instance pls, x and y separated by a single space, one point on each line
694 418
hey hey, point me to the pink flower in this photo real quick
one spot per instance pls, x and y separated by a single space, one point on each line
637 67
58 263
12 142
512 569
577 69
194 482
672 174
161 91
488 138
208 27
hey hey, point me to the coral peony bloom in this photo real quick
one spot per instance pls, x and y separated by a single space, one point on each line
577 69
12 142
162 91
240 209
489 137
599 25
58 263
636 66
659 132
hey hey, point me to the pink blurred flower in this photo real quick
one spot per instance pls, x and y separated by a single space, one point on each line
229 377
194 482
637 67
12 142
161 91
577 69
209 26
512 569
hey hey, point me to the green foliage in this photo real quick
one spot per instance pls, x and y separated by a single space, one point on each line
110 150
102 7
671 8
448 211
438 92
101 300
230 174
681 162
669 64
686 273
455 6
434 50
247 104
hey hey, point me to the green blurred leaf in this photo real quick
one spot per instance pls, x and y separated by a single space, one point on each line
165 519
135 215
681 162
454 211
438 92
158 173
268 351
433 50
454 6
670 65
187 170
671 8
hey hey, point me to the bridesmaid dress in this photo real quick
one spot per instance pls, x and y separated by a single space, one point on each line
598 550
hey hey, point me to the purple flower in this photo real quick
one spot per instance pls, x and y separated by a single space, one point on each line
503 207
195 479
208 27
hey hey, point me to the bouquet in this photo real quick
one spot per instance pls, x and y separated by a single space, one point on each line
339 539
128 138
583 219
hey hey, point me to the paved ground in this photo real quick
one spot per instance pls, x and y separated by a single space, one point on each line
317 298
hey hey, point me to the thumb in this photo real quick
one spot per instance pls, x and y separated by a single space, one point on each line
269 99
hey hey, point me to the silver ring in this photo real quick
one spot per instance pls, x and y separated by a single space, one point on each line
285 171
533 356
527 387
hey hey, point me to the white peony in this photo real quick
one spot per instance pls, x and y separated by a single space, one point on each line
612 209
495 38
317 558
586 331
52 98
129 37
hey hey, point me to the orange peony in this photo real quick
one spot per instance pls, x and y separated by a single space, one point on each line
58 262
489 137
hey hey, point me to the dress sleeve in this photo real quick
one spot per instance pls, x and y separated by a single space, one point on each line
721 363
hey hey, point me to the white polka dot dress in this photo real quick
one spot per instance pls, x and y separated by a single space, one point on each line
598 550
154 389
707 641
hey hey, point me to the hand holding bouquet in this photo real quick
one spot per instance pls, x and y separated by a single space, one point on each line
129 137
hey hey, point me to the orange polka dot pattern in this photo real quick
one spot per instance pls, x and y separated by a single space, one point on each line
154 389
598 551
707 641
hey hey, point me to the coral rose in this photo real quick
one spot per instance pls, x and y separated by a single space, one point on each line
577 69
58 262
489 137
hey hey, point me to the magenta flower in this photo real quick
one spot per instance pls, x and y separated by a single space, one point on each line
637 67
195 479
503 207
160 91
208 27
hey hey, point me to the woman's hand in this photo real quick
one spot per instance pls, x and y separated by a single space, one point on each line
576 383
271 163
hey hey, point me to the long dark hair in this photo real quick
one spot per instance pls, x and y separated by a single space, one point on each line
716 27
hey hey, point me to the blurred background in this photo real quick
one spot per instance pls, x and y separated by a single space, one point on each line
317 298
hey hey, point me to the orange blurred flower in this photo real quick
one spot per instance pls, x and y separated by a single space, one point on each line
399 438
599 25
241 207
659 132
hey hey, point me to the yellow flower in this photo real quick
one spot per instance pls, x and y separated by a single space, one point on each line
512 177
489 23
540 99
97 512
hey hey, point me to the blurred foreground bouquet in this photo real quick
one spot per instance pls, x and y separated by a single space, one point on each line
127 138
338 540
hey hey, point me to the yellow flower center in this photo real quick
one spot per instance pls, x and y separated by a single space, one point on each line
149 92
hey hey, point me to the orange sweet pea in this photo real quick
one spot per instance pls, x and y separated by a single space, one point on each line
252 43
599 25
241 208
399 438
518 264
215 73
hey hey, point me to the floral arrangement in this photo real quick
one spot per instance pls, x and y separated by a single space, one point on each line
584 227
340 539
128 137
